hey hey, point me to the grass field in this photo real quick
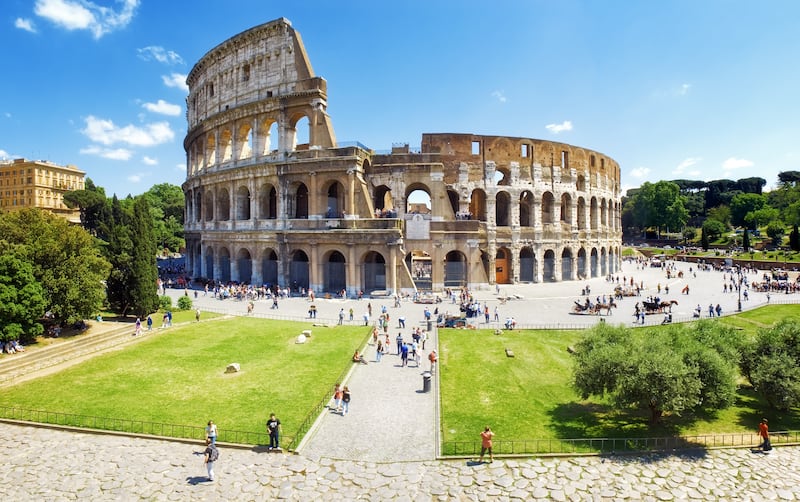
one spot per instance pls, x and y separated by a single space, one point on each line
530 395
177 376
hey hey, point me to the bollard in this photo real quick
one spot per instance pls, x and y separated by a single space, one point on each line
426 381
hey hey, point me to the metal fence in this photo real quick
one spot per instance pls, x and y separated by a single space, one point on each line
129 426
615 445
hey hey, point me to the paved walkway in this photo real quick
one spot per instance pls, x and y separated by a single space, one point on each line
54 465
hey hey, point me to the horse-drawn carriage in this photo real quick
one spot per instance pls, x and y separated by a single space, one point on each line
657 307
589 308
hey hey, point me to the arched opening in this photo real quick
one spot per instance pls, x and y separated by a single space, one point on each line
452 197
335 203
383 201
455 270
502 266
244 141
549 266
268 202
335 272
581 214
603 214
300 135
197 261
581 183
566 209
501 177
198 206
421 267
603 262
226 145
224 205
548 201
244 263
566 264
594 263
268 136
269 267
503 209
209 265
299 201
374 272
418 201
211 149
612 265
582 264
242 203
477 205
209 207
593 213
526 209
224 265
527 265
298 271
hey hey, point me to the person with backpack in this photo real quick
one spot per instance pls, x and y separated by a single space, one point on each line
274 429
211 455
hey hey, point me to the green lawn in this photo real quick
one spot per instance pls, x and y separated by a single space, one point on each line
177 376
530 395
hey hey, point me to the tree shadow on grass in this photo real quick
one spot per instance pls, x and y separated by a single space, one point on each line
588 426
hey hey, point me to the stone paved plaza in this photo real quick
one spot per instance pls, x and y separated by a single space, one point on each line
385 448
44 464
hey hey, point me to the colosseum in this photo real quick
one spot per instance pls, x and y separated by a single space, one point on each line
262 207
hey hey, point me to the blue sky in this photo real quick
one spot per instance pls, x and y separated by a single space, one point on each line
671 89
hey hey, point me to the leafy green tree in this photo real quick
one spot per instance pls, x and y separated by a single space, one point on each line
746 240
761 217
713 229
721 213
704 239
745 203
66 262
776 231
751 185
689 233
794 239
22 302
167 206
184 303
771 362
675 372
119 251
92 204
659 205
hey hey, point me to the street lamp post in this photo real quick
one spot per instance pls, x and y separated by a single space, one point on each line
739 309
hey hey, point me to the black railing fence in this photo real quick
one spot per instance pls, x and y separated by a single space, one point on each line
614 445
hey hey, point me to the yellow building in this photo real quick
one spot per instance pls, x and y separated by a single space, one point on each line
39 183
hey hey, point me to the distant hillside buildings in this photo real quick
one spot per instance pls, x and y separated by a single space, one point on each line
39 183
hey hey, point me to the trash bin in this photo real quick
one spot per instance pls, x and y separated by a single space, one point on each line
426 381
430 325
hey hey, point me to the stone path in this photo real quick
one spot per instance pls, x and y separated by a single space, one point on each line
55 465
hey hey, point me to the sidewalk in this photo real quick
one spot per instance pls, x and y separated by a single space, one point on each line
390 418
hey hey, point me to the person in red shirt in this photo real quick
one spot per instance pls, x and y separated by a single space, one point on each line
763 431
486 442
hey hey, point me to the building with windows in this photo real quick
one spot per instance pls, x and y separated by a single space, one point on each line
265 207
39 183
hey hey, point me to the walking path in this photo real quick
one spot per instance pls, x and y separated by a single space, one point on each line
50 465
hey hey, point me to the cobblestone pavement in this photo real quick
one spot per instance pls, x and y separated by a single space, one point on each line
52 465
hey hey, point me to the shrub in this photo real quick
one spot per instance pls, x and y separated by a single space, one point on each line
164 302
184 303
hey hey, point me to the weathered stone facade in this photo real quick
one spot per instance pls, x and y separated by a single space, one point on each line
262 209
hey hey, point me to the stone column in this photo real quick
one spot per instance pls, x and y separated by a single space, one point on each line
235 265
353 278
315 275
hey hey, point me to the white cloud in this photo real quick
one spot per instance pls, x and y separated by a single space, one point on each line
687 162
86 15
160 54
176 80
180 167
108 153
163 108
107 133
734 163
684 89
135 178
25 24
557 128
149 161
640 172
3 154
499 96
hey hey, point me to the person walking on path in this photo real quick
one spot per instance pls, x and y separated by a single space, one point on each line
197 315
486 443
149 323
210 457
763 432
379 352
404 355
432 358
337 397
341 316
345 400
138 330
211 432
274 429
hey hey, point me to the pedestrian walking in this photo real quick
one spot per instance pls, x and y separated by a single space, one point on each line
351 314
211 432
432 358
149 323
337 397
763 432
399 343
345 400
379 352
341 316
197 315
210 457
138 329
486 443
404 355
274 429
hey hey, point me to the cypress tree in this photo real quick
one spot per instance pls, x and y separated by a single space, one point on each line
794 239
746 240
703 239
118 252
144 276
